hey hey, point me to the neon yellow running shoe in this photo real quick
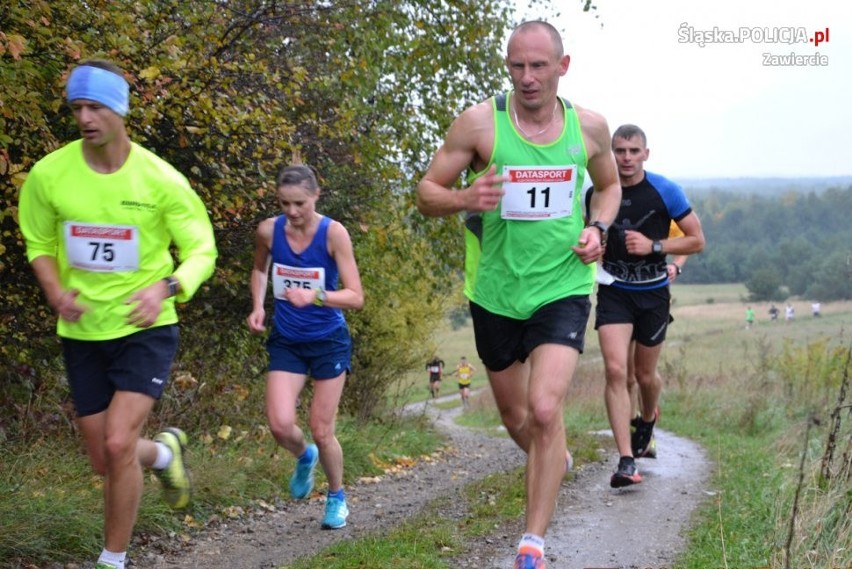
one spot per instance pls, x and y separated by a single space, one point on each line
177 487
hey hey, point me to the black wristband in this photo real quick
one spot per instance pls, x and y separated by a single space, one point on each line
173 285
603 228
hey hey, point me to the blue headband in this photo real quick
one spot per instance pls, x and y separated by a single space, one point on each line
100 85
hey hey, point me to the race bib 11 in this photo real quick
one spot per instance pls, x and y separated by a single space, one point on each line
533 193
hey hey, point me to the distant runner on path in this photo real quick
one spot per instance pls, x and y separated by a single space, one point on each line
435 367
464 370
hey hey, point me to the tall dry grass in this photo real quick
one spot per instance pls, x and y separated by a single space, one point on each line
816 503
749 396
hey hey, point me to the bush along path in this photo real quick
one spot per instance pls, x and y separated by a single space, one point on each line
594 526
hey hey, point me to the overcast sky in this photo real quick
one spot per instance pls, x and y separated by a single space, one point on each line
718 110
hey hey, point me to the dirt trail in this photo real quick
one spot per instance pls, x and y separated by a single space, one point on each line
639 526
594 525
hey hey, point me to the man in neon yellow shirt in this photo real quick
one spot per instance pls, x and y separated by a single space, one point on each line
99 216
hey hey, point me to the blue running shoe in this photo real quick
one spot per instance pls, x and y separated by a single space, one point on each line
302 481
336 513
529 560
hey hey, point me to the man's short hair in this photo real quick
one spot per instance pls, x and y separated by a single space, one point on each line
102 64
628 131
555 36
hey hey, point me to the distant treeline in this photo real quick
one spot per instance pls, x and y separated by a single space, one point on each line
763 186
787 244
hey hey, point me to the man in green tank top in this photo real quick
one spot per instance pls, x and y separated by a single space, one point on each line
529 257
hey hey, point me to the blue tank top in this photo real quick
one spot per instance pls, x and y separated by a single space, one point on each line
305 270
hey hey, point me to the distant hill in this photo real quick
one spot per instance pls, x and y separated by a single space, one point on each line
764 186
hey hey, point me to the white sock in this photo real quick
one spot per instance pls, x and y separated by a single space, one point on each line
164 457
116 559
531 541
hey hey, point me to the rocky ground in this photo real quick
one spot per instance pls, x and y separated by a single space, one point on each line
594 527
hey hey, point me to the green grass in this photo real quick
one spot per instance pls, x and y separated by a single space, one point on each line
451 344
432 537
45 487
746 396
734 521
34 497
50 483
726 389
687 295
746 424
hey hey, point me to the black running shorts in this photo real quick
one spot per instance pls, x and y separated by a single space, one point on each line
139 362
647 310
501 341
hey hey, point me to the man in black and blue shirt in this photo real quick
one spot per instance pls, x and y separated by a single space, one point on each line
635 301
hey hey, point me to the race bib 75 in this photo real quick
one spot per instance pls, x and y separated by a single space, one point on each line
102 248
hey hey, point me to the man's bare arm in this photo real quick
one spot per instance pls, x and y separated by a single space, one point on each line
693 237
470 133
606 198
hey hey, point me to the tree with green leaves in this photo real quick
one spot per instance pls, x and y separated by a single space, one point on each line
792 242
765 284
229 92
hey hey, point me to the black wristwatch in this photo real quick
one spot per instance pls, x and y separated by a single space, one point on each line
657 246
678 269
173 285
602 227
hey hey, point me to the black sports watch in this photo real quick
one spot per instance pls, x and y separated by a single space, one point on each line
602 227
657 246
173 285
678 268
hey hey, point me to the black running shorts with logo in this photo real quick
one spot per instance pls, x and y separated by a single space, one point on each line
647 310
501 341
140 362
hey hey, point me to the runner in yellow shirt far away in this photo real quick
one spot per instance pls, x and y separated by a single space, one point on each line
464 369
